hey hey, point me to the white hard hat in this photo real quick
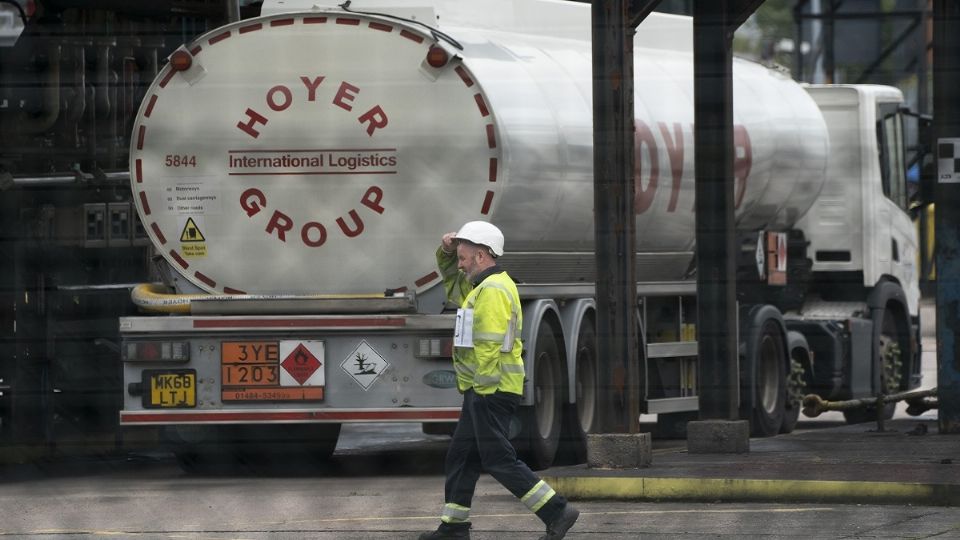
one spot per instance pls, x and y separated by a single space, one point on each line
484 234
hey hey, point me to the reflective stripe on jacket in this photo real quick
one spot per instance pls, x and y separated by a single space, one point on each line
494 362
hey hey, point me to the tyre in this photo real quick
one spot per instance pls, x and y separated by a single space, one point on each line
580 418
766 355
541 422
796 380
893 346
794 400
586 383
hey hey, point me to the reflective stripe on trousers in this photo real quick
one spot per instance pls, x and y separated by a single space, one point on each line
538 496
454 513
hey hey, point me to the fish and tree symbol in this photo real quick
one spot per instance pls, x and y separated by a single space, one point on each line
365 365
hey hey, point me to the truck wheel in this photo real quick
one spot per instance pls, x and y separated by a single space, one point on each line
893 340
587 377
796 380
766 355
794 401
579 418
540 433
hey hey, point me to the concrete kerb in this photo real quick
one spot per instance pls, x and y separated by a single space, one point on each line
765 490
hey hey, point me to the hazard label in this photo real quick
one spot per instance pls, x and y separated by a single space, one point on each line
761 256
192 242
302 363
191 233
364 365
776 258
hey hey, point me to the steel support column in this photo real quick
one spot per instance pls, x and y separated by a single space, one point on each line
618 346
830 42
714 22
613 187
946 107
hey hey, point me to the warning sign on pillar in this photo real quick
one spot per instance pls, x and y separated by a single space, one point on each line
948 160
302 363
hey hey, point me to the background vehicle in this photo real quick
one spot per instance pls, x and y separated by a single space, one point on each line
327 162
71 245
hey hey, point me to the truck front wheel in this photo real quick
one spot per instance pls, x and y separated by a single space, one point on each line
765 378
893 346
770 392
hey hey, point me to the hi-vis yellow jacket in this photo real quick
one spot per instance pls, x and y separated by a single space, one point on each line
494 362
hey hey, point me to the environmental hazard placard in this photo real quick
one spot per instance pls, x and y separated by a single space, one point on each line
364 365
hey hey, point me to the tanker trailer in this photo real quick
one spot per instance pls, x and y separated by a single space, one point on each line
295 172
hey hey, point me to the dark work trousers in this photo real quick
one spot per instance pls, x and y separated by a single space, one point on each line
480 443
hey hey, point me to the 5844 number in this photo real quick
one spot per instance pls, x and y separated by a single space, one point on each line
180 160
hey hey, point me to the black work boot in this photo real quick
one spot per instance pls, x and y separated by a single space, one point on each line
558 529
451 531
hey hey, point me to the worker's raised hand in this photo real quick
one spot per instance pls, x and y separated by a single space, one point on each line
449 242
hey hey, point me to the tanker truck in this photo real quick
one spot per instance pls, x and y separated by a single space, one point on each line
296 171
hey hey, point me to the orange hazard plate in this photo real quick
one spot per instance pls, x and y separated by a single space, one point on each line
253 371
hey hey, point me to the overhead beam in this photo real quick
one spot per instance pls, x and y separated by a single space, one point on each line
639 9
740 11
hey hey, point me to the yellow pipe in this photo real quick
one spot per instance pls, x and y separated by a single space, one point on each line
154 298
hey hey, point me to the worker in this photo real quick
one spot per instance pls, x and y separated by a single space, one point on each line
489 367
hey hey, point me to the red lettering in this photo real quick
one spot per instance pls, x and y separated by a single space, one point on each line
312 87
376 117
643 197
356 220
287 97
675 151
252 201
305 234
346 92
371 199
281 223
742 162
253 118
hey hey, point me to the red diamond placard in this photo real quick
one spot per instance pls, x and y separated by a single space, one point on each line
301 364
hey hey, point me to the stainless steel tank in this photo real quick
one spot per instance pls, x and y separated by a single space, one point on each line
321 152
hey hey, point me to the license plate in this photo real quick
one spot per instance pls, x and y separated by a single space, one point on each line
170 389
288 370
